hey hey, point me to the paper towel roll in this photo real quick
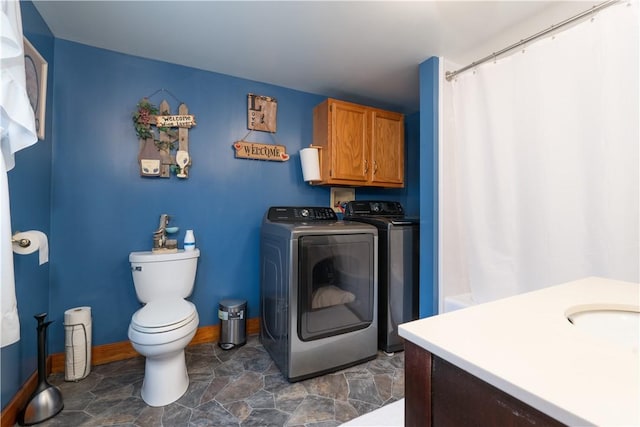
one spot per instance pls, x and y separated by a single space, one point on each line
77 339
39 242
310 164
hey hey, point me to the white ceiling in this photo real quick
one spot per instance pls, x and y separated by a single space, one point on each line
362 51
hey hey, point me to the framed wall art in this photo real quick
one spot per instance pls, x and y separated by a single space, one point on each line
261 113
36 80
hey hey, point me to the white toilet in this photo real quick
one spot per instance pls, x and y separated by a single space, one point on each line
166 324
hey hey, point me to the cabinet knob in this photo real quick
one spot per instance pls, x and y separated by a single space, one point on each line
366 166
375 167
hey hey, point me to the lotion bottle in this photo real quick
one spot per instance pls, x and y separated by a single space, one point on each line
189 241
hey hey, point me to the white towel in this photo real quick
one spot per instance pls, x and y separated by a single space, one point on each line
9 322
17 119
17 131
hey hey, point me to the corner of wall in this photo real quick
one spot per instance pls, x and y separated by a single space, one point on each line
429 100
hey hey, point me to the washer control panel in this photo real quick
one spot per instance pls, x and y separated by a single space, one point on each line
301 214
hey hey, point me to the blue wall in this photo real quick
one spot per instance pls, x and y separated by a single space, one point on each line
82 187
429 72
102 209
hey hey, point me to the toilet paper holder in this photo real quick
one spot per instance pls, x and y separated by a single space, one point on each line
23 243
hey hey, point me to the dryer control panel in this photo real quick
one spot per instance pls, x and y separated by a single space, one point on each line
374 208
300 214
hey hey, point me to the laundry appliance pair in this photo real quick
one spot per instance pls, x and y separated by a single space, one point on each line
319 291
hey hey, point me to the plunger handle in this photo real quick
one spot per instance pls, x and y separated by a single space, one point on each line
42 342
41 323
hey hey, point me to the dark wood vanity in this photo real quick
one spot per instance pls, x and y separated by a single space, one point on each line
440 394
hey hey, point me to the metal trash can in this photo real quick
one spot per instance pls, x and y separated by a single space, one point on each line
233 323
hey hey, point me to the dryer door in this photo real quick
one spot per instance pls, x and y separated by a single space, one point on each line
337 284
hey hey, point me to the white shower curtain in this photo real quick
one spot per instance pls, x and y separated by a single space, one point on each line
540 159
17 131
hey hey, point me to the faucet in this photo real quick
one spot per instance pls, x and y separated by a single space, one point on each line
160 235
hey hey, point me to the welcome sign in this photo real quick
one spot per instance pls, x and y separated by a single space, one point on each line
255 151
175 121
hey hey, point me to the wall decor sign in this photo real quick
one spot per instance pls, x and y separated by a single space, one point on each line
256 151
36 80
261 113
177 121
158 131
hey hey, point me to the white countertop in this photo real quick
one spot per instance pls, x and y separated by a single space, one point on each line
525 346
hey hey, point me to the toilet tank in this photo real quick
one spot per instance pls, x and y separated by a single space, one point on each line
160 275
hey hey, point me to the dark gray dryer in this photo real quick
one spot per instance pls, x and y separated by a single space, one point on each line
319 299
398 266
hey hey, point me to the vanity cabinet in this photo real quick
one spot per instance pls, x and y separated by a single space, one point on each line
360 145
438 393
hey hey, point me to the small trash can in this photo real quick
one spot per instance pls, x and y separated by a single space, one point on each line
233 323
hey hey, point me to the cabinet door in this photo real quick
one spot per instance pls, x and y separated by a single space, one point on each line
349 142
387 148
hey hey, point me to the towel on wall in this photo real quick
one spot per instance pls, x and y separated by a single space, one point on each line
17 121
17 131
9 322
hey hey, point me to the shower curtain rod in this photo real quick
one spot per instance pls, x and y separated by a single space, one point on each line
451 74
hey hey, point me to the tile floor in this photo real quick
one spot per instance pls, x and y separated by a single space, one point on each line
239 387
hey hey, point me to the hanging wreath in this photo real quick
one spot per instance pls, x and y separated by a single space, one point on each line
142 118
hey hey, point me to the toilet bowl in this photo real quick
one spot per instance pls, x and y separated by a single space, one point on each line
162 343
165 325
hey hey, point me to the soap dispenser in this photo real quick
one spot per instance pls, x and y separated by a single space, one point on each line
189 241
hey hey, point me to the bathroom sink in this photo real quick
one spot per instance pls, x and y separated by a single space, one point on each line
620 325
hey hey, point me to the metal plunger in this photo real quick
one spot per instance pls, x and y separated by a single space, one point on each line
46 400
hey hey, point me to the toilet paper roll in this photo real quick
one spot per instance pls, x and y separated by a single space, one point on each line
310 161
77 325
75 361
77 334
39 242
78 315
76 365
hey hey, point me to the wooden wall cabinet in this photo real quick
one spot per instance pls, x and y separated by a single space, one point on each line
361 146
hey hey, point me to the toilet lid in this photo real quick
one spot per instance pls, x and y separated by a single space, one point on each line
163 315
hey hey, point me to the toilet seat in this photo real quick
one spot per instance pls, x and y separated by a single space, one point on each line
163 316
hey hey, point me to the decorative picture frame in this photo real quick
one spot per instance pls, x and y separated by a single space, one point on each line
36 69
261 113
